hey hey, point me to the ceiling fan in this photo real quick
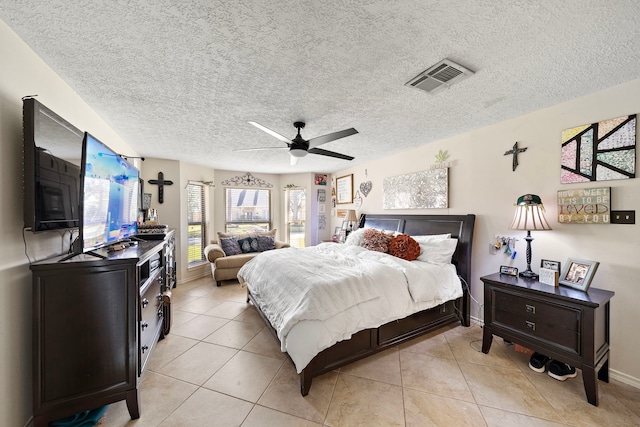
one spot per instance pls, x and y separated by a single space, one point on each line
299 147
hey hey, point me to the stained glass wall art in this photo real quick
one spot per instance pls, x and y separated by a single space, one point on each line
600 151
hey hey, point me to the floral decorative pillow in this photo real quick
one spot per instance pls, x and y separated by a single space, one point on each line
230 246
376 240
248 244
403 246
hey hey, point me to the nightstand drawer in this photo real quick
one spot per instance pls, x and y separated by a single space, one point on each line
542 329
538 311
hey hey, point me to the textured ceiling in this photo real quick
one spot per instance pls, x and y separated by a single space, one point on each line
181 79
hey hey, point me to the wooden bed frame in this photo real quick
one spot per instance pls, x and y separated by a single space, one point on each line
370 341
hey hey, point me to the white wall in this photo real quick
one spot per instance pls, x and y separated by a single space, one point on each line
481 182
23 73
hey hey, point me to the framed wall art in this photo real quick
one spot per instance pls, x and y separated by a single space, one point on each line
344 189
578 273
420 190
599 151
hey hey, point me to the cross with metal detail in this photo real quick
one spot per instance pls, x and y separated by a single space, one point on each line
515 150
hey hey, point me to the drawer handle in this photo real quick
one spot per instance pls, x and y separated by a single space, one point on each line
531 309
531 325
145 302
145 348
144 325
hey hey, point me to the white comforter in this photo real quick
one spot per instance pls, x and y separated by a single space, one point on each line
317 296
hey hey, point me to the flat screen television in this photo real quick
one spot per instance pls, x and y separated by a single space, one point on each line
108 196
52 153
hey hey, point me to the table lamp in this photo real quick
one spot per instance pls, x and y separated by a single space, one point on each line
529 216
351 219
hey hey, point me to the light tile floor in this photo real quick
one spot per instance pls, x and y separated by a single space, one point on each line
219 366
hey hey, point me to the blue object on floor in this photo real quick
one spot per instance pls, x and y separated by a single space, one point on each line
81 419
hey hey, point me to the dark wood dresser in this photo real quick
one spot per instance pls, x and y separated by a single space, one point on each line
563 323
95 322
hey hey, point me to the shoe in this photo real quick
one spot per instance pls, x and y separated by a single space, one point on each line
538 362
561 371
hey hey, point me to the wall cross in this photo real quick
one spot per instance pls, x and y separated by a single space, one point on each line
514 151
160 182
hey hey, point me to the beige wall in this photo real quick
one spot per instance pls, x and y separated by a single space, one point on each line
481 182
23 73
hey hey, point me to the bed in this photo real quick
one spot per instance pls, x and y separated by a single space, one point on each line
347 331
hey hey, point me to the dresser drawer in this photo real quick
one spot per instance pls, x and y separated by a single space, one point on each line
150 321
539 329
538 311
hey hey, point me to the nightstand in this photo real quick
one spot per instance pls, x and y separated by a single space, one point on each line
563 323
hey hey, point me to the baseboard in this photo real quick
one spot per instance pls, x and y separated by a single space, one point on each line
624 378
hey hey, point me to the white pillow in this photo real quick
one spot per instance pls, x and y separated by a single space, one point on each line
355 238
438 251
431 238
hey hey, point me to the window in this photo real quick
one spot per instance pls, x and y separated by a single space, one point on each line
296 214
196 228
247 210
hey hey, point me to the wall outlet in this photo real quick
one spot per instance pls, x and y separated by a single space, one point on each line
623 217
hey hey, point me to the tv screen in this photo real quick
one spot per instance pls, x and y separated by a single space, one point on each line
109 196
52 153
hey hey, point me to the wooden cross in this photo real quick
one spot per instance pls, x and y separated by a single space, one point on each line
515 150
161 182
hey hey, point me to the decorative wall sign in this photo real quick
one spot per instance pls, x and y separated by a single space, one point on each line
357 200
322 195
344 189
514 151
585 206
600 151
420 190
247 180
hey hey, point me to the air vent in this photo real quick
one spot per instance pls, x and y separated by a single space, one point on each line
440 76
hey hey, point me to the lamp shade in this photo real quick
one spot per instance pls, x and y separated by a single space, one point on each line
351 216
529 214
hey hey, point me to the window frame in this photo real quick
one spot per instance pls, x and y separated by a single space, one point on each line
242 226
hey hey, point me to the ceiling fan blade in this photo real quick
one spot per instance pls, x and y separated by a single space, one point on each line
270 132
262 148
329 153
319 140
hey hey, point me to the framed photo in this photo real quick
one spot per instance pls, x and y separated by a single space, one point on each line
551 265
320 179
344 189
578 273
337 230
511 271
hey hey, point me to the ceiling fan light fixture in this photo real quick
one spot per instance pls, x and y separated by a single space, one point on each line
297 152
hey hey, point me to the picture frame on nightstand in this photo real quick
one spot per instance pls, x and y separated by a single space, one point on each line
578 273
551 265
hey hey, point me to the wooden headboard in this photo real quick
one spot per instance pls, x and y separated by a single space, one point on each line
460 227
